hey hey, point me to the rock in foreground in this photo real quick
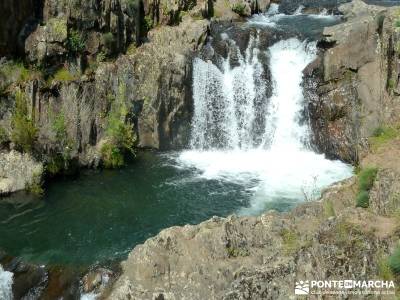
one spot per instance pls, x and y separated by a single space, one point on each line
262 257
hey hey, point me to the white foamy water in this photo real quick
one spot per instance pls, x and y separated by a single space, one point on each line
241 136
272 16
89 296
6 280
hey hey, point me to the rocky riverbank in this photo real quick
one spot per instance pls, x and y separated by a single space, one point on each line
262 257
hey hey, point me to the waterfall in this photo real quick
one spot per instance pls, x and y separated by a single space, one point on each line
288 59
230 107
242 136
226 101
6 280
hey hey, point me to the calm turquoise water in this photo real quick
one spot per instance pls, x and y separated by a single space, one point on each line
104 214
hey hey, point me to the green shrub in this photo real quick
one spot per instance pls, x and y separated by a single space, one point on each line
394 261
384 270
397 23
329 210
112 156
391 84
290 241
382 135
239 8
35 186
76 42
120 138
237 252
148 23
57 163
15 71
3 136
63 75
101 56
131 49
366 178
24 132
109 42
362 199
59 127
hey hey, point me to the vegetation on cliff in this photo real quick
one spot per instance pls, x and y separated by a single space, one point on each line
120 138
24 131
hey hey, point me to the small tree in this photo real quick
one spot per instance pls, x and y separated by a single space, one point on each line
24 132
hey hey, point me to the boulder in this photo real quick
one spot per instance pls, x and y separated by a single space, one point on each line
48 42
97 280
18 171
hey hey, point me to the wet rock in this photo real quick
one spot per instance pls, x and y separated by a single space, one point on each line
28 279
97 280
62 283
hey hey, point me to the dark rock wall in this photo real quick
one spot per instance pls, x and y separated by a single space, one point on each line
14 16
353 87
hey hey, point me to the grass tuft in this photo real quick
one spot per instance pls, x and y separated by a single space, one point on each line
366 179
382 135
394 261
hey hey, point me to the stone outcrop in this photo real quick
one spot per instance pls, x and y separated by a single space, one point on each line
85 28
18 172
153 82
163 75
354 84
262 257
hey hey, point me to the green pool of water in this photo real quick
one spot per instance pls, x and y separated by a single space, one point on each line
102 215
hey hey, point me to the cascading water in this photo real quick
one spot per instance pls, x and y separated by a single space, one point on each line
226 102
6 280
242 136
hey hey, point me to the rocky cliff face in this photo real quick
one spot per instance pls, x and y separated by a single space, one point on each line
353 88
97 78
